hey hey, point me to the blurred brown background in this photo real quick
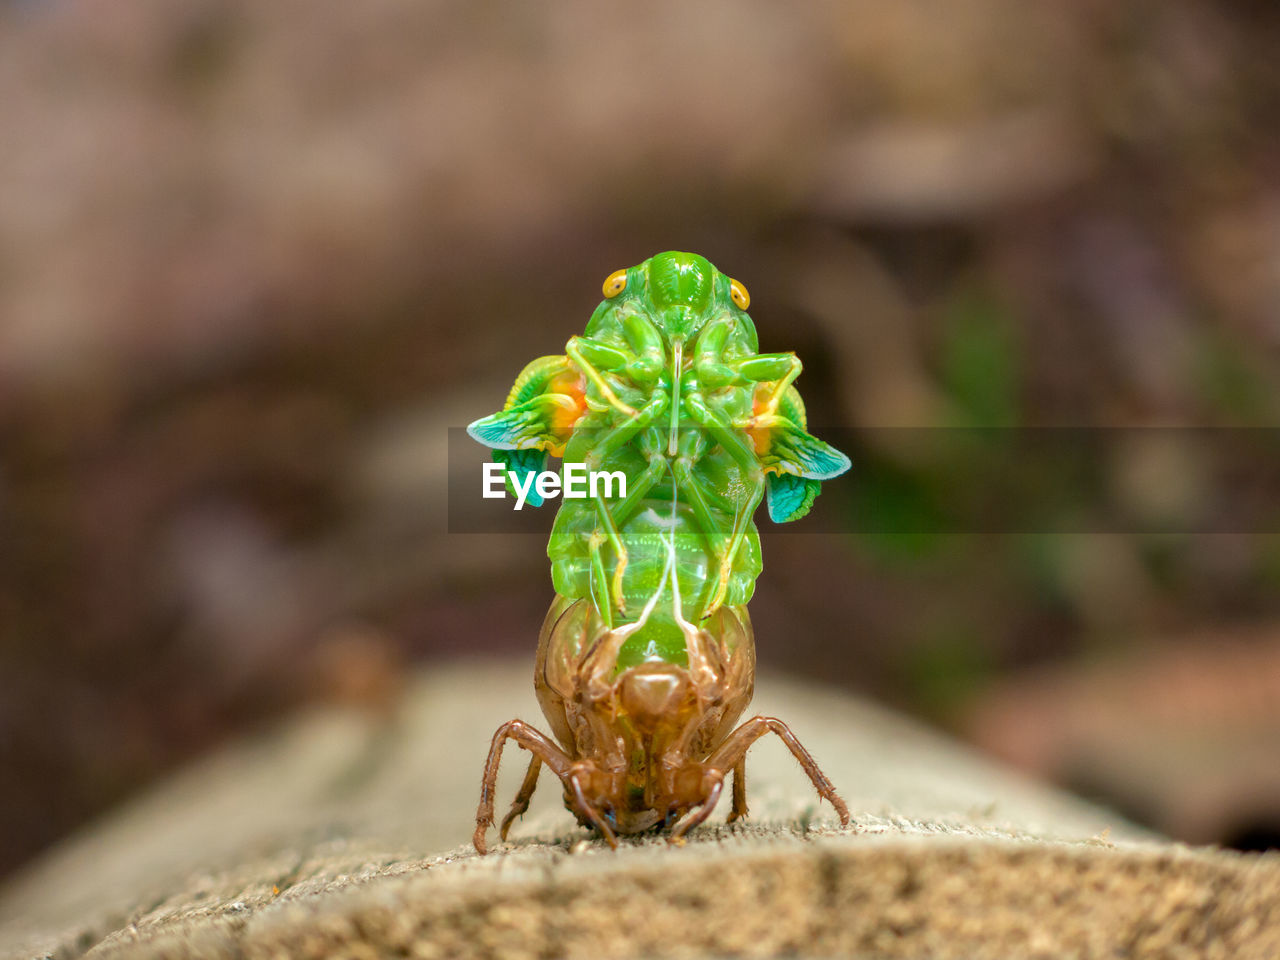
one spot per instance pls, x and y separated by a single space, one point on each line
256 259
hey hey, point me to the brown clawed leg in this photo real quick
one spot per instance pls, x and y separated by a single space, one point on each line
735 747
521 802
709 804
739 809
590 812
530 739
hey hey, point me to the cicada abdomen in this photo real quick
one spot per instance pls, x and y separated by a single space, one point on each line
618 556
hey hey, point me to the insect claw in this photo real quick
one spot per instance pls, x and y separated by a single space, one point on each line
841 809
591 813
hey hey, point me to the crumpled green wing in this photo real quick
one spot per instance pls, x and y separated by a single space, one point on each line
522 463
797 462
794 451
526 426
544 403
790 497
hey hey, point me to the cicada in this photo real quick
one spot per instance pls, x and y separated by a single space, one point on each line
646 659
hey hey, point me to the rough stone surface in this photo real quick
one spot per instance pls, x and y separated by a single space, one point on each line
346 834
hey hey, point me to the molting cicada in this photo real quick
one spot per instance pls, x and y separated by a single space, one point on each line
646 659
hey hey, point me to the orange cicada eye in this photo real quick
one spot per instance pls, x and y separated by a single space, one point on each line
739 294
615 283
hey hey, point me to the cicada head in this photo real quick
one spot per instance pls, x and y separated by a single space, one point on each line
682 292
678 292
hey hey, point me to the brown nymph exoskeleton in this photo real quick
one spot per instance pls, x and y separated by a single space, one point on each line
645 739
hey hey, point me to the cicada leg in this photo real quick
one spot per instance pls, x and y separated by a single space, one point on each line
521 802
778 369
704 811
692 446
727 551
619 514
591 813
692 493
612 518
733 752
531 739
574 349
611 536
741 524
738 447
601 598
641 363
739 809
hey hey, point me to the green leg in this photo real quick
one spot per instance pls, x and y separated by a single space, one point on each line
614 518
738 447
614 539
691 491
611 519
574 350
783 367
622 434
728 548
722 431
654 472
599 581
741 522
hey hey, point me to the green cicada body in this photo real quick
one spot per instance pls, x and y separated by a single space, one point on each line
669 568
646 658
667 384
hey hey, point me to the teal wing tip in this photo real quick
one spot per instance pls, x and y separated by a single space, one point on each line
790 497
492 432
823 462
526 463
837 463
801 453
531 498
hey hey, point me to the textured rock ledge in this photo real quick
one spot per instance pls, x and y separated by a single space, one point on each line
342 833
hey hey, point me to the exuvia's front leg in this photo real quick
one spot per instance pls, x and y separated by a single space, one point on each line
586 808
527 786
739 792
733 751
531 739
714 783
